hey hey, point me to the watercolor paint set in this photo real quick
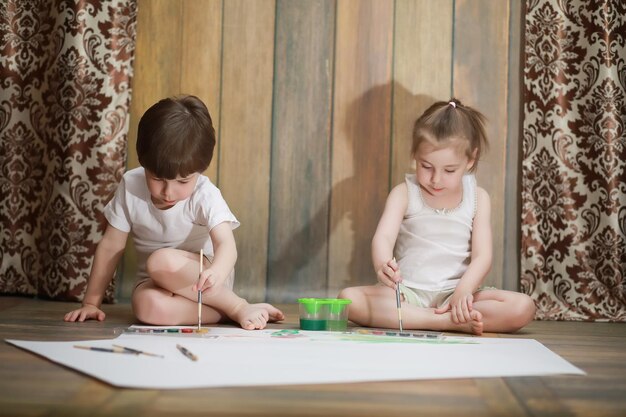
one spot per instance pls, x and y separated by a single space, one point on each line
420 334
165 331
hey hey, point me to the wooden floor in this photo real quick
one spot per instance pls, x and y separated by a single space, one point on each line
33 386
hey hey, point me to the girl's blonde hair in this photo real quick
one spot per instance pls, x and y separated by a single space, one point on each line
447 120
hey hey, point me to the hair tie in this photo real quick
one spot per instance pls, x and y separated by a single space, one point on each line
452 103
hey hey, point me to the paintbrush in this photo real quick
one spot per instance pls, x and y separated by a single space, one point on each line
200 293
187 353
103 349
398 302
138 352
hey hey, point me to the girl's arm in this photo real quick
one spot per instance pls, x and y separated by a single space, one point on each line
106 258
386 234
224 257
481 246
480 264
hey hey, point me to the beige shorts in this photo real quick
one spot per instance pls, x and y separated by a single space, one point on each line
429 299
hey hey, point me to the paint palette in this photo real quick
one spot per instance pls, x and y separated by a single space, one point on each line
165 331
421 334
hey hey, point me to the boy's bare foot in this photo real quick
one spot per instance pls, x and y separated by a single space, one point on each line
256 316
474 326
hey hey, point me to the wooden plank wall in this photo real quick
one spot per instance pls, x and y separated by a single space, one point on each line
300 177
314 103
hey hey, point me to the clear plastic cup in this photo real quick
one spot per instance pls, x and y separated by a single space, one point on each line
337 320
313 313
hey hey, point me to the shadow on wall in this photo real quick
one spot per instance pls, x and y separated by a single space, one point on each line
340 231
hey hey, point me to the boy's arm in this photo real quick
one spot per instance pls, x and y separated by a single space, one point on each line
224 255
386 234
107 256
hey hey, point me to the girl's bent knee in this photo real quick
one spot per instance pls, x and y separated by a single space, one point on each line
349 293
525 312
529 309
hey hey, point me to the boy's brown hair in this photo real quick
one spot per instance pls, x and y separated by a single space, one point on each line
176 137
446 120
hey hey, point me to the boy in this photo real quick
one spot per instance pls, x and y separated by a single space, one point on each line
173 211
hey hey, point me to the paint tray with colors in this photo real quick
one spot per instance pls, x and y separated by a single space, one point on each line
420 334
165 331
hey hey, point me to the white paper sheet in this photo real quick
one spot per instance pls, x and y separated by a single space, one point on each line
235 357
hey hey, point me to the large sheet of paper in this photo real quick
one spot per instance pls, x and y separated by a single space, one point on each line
235 357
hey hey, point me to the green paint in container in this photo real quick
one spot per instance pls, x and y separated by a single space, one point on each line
313 313
308 324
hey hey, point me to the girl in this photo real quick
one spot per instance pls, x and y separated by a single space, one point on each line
433 241
173 211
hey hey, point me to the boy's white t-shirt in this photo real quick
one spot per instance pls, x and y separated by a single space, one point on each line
433 248
184 226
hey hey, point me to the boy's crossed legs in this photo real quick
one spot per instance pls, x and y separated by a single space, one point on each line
167 297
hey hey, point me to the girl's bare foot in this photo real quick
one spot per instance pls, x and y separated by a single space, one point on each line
256 316
474 326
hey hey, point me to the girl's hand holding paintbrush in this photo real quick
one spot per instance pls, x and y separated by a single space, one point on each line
389 274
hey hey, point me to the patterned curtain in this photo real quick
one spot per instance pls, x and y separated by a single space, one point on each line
574 159
65 75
